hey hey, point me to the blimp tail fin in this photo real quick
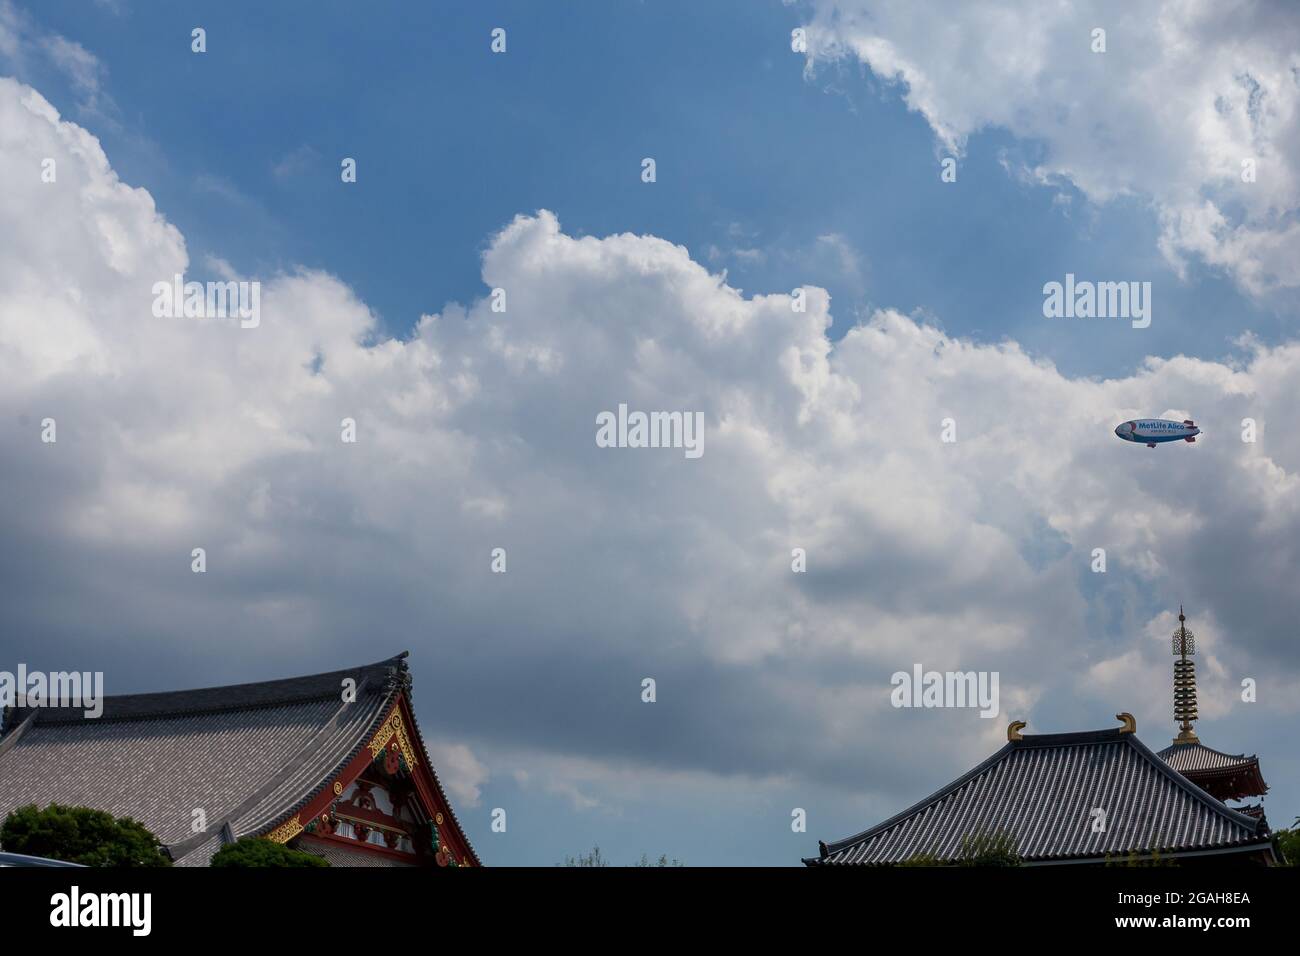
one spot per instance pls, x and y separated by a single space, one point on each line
1188 421
1190 438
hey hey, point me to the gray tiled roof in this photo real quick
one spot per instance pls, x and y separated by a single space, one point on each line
1194 757
345 856
1042 789
247 755
202 854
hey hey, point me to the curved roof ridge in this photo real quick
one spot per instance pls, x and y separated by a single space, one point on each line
1205 797
1112 736
922 804
1075 737
291 767
1027 740
204 700
1198 746
437 781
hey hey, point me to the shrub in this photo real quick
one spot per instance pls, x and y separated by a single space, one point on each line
259 851
81 835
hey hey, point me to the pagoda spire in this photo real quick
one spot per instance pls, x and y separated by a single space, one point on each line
1184 681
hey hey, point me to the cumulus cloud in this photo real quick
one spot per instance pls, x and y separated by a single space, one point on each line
477 431
459 770
1183 94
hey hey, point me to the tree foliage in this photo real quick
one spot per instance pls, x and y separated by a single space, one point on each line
259 851
81 835
1152 857
1289 842
595 859
997 848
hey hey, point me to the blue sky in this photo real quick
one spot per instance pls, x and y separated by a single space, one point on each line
782 169
452 142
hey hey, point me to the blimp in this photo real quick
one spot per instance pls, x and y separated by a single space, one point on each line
1155 431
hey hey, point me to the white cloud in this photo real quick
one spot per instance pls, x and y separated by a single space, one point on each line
1183 94
477 432
459 770
25 46
297 163
81 66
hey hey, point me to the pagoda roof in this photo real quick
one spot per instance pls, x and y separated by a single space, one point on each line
247 755
1227 776
1193 757
1042 790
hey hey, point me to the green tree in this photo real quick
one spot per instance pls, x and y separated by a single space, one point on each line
1152 857
1289 842
81 835
988 849
594 858
259 851
976 849
587 859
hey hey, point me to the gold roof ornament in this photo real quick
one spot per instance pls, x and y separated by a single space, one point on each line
1013 730
1184 645
1129 721
286 831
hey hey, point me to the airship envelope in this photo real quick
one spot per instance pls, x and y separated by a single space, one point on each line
1156 431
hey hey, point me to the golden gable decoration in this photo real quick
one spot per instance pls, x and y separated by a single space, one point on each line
393 729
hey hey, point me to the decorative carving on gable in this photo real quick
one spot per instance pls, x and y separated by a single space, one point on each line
363 798
286 831
393 730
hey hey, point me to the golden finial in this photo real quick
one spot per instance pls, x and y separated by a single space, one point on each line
1013 730
1130 723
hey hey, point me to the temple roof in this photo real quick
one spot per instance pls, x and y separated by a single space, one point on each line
213 700
1042 789
346 856
1225 776
247 755
1187 758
